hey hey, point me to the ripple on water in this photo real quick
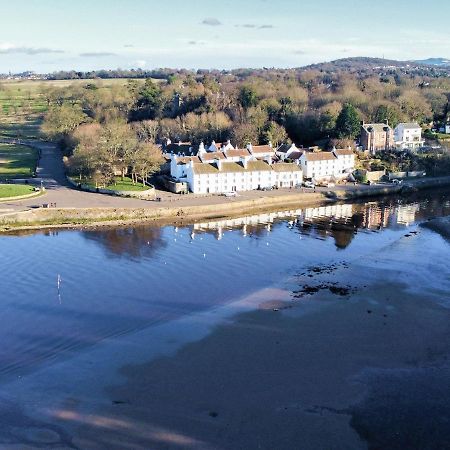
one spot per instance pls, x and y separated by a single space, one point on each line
115 281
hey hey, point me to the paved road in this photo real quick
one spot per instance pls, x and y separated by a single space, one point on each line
50 173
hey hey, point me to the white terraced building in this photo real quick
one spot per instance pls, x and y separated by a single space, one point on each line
234 170
322 165
408 135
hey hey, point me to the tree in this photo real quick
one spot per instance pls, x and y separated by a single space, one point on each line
247 97
116 142
60 121
347 123
147 130
144 159
274 133
386 113
149 103
244 134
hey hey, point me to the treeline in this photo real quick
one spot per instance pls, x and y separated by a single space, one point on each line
306 107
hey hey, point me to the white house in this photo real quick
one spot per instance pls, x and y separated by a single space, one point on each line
233 171
408 136
286 151
214 147
347 159
322 165
219 177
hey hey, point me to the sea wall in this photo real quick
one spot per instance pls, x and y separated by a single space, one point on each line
217 208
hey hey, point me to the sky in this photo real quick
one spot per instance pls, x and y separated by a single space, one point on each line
50 35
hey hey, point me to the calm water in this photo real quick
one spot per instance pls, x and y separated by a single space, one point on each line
115 281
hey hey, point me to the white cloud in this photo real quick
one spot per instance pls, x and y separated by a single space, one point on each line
211 21
8 48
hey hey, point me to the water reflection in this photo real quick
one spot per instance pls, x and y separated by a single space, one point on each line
118 280
339 221
131 242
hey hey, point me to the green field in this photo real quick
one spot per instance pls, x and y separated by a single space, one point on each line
24 102
126 185
17 161
22 128
14 190
21 108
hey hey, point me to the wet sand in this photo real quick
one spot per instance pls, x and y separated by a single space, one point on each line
367 369
441 225
349 356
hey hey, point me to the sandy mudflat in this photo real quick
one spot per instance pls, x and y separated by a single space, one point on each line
322 371
349 356
441 225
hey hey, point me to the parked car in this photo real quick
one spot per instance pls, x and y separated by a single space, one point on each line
395 181
230 194
309 184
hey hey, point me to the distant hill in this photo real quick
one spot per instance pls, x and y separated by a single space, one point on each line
359 62
433 67
434 62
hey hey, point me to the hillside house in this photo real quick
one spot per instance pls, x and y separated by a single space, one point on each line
376 137
408 136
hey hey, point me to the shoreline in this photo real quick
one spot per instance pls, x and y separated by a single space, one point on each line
35 219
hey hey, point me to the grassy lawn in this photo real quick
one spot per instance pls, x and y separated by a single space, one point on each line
126 185
22 128
17 161
120 185
14 190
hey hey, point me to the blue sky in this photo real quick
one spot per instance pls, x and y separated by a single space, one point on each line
49 35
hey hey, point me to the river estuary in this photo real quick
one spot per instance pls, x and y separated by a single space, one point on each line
99 326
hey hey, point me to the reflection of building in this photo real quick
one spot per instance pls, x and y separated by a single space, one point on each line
376 216
406 214
344 211
337 220
247 223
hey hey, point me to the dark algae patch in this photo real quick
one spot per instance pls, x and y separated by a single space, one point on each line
334 288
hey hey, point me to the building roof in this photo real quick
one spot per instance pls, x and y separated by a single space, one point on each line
258 166
238 167
283 148
237 152
187 159
319 156
180 147
376 127
286 167
202 168
262 149
295 154
410 125
343 151
211 156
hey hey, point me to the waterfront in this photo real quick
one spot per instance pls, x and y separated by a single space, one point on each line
130 295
